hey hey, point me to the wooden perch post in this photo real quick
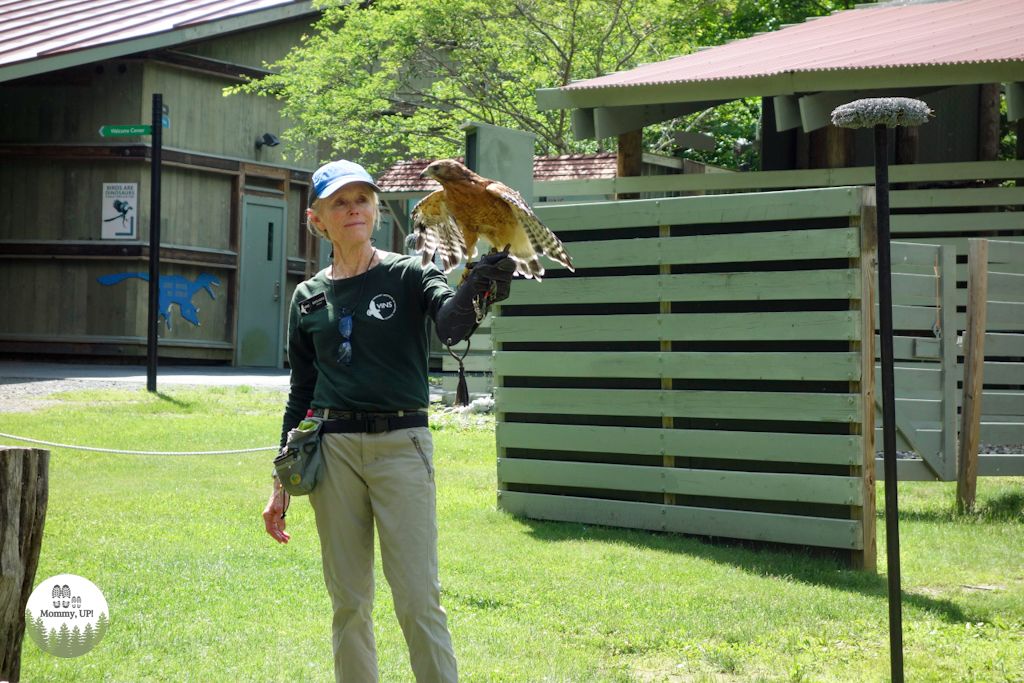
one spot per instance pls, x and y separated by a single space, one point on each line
974 364
24 489
630 158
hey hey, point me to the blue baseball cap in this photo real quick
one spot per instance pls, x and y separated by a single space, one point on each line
331 177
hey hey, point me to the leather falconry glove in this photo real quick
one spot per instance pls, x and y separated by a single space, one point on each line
490 276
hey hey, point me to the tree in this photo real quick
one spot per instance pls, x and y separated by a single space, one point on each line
88 637
389 79
393 78
717 22
101 627
35 628
63 647
76 644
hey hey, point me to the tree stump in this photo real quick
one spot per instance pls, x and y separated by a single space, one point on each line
24 489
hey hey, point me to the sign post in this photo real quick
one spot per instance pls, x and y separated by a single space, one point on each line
154 243
160 120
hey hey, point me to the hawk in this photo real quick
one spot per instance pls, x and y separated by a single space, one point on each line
468 206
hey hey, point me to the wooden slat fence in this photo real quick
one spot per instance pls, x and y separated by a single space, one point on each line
924 352
1002 398
706 370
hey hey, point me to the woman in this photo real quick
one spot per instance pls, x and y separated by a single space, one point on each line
357 346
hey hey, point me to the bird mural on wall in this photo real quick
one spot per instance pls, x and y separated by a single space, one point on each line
174 289
450 221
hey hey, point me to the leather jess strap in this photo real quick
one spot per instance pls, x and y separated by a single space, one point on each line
374 424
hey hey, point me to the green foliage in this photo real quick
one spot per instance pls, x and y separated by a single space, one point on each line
717 22
1007 133
396 77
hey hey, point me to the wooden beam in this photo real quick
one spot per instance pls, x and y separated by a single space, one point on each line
816 109
974 358
582 121
988 122
670 480
735 405
665 308
866 558
821 449
819 531
239 73
934 76
907 139
612 121
787 112
1014 102
838 147
806 178
215 258
630 159
780 326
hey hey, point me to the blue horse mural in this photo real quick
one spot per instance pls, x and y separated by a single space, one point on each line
174 289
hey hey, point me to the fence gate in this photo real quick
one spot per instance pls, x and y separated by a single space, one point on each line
708 370
924 353
1002 397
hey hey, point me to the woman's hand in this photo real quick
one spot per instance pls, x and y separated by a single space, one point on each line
273 515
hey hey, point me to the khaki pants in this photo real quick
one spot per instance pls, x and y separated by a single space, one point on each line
389 478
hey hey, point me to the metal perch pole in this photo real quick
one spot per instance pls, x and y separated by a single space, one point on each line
880 114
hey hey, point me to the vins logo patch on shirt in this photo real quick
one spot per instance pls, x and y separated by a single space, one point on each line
313 303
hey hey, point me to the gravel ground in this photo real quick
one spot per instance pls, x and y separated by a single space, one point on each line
14 390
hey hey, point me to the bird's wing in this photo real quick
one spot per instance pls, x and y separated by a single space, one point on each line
540 239
436 231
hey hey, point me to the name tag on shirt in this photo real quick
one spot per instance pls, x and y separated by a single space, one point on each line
313 303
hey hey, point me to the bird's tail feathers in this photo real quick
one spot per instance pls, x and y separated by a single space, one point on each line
527 268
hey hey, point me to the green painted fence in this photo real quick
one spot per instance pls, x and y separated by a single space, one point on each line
928 288
925 324
1002 402
708 369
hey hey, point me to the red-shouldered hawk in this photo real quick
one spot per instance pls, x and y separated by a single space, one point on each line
449 221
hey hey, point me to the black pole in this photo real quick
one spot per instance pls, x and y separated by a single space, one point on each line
154 244
892 532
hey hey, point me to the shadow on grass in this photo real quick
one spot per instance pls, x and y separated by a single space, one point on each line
817 566
167 398
1008 506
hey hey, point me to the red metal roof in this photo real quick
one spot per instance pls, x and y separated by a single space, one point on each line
32 29
404 176
970 31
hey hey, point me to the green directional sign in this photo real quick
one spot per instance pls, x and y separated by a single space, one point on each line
108 131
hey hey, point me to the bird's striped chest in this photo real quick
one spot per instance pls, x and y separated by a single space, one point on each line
476 209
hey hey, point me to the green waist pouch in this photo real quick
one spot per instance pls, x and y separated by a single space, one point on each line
300 464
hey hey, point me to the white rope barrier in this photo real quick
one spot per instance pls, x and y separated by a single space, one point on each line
111 450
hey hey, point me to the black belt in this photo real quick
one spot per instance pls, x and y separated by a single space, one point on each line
373 423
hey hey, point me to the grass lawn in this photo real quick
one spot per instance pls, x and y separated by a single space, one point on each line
199 593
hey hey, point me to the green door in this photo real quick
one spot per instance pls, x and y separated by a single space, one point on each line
261 284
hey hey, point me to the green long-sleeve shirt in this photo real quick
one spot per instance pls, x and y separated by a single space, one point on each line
388 368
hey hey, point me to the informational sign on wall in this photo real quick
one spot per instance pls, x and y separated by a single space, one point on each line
120 209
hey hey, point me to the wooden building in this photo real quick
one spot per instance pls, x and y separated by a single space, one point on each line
959 56
650 388
74 224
